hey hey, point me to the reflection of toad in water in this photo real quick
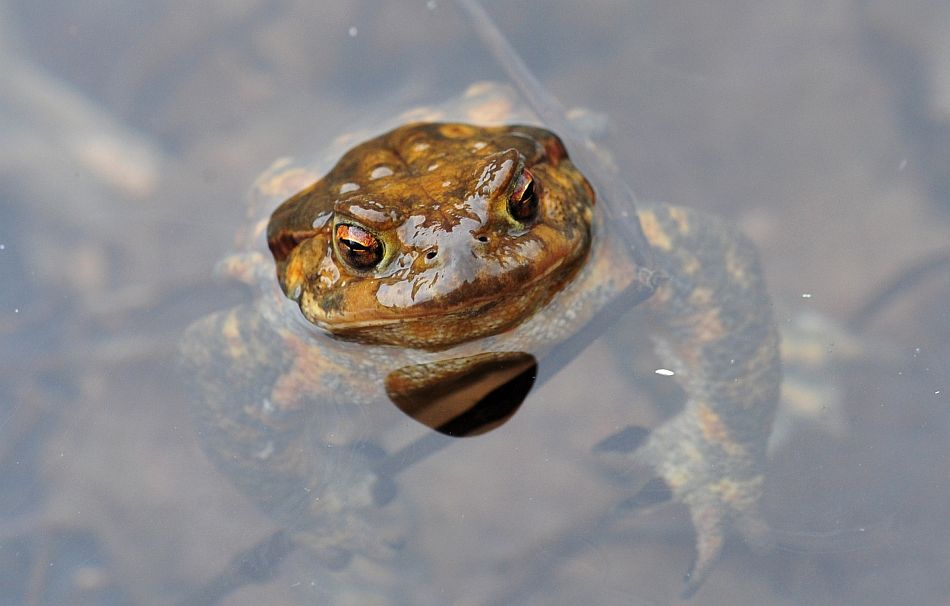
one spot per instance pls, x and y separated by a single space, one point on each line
436 248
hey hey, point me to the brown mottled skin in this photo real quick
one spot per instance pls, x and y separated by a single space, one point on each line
452 250
715 328
446 270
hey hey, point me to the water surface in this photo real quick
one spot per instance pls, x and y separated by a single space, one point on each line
132 133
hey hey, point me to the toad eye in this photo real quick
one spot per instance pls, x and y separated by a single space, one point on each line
523 200
359 248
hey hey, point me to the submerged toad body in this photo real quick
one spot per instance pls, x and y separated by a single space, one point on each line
439 242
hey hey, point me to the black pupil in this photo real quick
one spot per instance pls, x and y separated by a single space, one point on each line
355 246
523 204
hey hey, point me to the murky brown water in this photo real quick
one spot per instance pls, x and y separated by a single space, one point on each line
130 136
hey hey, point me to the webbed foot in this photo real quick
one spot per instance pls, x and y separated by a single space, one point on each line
352 513
718 480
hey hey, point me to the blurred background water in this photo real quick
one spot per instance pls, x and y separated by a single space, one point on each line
130 135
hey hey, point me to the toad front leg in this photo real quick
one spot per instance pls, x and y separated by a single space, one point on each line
268 415
716 331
